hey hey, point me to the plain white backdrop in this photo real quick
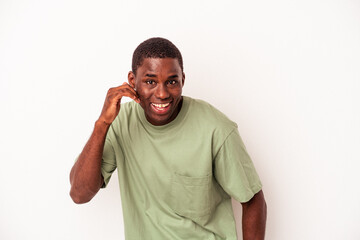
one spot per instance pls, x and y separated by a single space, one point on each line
287 72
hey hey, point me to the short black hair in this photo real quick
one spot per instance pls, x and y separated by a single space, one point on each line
155 48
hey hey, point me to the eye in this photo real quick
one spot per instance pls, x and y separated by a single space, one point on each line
172 82
150 82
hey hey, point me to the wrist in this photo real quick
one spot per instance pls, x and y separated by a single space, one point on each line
102 124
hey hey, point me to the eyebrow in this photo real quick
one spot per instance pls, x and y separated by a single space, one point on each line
150 75
173 76
154 75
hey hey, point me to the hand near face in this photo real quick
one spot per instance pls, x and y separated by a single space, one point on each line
159 83
112 102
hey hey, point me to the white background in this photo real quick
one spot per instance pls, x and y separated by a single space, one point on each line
287 72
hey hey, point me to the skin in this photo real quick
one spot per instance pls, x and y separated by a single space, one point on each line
157 81
254 217
85 175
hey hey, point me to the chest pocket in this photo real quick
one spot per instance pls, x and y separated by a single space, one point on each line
193 197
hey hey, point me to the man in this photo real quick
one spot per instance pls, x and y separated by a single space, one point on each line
179 159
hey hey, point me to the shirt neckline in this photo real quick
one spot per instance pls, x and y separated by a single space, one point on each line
179 118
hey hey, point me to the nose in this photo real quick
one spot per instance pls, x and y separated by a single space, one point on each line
161 92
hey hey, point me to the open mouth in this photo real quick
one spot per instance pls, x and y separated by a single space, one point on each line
160 108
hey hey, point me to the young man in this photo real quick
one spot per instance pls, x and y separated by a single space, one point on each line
179 159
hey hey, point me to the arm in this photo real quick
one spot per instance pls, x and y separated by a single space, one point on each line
85 175
254 218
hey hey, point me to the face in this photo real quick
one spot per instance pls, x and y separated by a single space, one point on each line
159 83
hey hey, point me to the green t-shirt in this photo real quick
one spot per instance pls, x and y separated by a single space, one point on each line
176 180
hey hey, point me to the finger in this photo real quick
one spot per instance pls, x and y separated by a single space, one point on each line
124 92
128 86
132 88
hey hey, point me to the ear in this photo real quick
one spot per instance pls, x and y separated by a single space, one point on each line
131 79
183 79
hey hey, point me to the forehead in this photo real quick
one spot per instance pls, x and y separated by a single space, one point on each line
156 65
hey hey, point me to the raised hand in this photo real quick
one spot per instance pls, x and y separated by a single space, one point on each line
112 102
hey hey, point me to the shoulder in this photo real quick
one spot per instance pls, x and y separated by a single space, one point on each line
208 120
127 109
127 116
204 111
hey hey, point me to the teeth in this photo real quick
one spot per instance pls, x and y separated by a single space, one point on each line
161 105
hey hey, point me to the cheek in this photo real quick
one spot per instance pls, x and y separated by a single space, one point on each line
176 91
143 93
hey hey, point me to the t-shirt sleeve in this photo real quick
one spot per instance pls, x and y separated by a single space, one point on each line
234 169
108 164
